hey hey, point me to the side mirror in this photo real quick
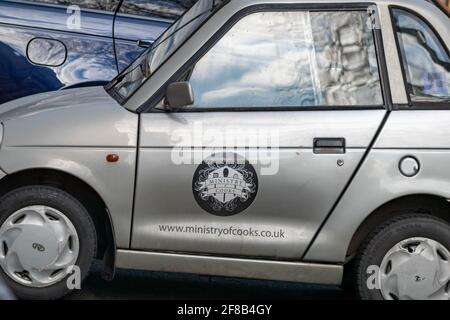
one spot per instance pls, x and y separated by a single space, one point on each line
179 95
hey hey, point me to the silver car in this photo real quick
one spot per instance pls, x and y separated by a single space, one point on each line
283 140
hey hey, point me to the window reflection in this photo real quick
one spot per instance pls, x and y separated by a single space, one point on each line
168 9
106 5
138 72
426 61
288 59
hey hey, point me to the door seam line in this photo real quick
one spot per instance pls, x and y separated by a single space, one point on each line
347 186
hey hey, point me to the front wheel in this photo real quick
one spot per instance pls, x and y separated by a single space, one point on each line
408 258
45 235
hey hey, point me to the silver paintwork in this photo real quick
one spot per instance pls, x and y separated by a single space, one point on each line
422 134
284 201
379 181
38 245
416 130
231 267
90 125
398 91
415 269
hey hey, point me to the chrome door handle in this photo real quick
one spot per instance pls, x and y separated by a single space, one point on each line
329 145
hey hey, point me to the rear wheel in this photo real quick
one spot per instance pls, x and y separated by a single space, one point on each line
408 258
45 235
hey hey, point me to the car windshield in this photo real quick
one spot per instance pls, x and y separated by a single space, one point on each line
131 79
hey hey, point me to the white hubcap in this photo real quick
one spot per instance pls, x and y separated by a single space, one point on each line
416 269
38 245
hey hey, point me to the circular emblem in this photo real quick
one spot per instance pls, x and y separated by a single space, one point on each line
225 185
38 247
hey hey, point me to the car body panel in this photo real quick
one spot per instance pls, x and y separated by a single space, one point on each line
91 50
127 51
53 17
416 129
76 139
20 77
396 84
105 123
421 134
295 199
378 181
128 29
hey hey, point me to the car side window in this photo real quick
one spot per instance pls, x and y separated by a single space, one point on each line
426 61
171 9
291 59
104 5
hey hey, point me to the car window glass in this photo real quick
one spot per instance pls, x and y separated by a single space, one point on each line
425 59
171 9
130 80
105 5
291 59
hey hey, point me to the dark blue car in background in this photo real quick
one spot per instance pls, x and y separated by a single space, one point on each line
48 45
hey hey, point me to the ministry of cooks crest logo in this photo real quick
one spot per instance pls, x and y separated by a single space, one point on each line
225 185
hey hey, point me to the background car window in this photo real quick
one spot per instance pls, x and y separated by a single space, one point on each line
131 79
167 9
105 5
291 59
426 62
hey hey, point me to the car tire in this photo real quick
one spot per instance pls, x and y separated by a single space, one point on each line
75 216
400 239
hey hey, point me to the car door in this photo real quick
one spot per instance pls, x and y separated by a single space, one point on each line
140 22
47 45
287 103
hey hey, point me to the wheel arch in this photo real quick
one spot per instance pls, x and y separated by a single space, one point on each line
83 192
429 204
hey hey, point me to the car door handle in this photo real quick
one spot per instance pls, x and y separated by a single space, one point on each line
329 145
144 43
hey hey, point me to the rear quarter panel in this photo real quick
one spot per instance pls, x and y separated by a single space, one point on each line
422 134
